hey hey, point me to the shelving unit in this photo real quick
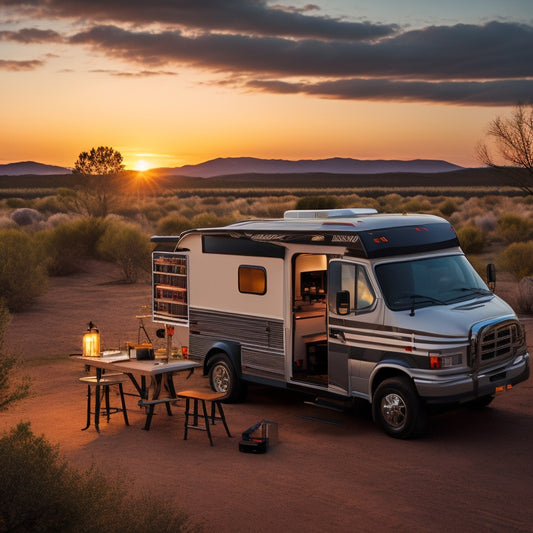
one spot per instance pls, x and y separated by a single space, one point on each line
169 281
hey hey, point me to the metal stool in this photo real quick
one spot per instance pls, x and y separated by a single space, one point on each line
102 386
197 396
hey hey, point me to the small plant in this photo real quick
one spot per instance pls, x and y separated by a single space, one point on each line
41 492
173 225
69 244
11 389
22 271
517 259
447 207
514 228
317 202
127 246
472 239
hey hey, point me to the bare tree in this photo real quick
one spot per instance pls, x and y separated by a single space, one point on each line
101 169
512 139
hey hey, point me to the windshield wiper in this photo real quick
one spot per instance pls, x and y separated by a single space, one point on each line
474 290
419 297
423 297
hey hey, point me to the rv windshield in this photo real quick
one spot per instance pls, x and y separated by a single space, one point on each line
426 282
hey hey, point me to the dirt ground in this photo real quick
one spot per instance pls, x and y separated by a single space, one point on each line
330 471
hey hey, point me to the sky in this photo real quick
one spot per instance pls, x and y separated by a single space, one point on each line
175 82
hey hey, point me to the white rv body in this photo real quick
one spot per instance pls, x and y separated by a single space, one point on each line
384 308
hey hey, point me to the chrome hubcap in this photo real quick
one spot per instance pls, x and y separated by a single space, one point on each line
394 410
221 378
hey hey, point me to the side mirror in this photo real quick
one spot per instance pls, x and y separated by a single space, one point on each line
491 277
343 303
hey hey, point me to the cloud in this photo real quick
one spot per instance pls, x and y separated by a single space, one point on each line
253 17
495 50
30 36
494 93
282 49
6 64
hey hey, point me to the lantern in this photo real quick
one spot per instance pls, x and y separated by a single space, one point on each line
91 342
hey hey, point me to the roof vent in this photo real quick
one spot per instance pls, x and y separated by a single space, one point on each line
329 213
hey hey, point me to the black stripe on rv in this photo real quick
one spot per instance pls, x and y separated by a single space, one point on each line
341 322
220 244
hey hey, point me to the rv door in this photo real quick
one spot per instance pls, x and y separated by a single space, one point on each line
354 310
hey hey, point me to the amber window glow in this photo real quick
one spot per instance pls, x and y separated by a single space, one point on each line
252 280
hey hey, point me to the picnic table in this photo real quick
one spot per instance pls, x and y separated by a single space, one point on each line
159 371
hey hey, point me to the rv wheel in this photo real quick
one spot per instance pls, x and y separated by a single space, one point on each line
223 378
398 409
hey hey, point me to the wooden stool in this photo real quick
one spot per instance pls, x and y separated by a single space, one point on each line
215 398
102 386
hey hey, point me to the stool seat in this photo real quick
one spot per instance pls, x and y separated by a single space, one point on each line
203 396
102 386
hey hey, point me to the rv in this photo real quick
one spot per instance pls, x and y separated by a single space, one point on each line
345 303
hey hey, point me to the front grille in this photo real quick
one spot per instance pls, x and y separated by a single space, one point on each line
499 341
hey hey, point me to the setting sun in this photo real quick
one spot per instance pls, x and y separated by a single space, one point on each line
142 165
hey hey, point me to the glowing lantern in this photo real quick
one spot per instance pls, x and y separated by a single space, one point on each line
91 342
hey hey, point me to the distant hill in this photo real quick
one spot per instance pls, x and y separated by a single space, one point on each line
25 168
337 165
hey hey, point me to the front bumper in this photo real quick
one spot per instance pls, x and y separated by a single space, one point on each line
435 389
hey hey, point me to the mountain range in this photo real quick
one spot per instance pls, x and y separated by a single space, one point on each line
250 165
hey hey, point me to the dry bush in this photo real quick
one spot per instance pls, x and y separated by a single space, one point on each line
447 207
40 491
517 259
515 228
68 245
472 239
126 245
391 203
524 303
317 202
173 225
22 269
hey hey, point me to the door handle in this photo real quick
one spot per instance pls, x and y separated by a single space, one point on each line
337 334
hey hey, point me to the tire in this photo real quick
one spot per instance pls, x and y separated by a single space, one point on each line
223 378
397 408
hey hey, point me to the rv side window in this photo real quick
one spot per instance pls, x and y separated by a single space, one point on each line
252 279
351 280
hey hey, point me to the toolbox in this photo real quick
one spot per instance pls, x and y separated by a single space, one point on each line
259 437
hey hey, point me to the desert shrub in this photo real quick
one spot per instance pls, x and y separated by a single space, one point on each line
12 388
472 239
517 259
49 204
152 212
127 246
524 302
26 216
514 228
22 270
68 245
7 222
173 225
447 207
417 205
17 203
317 202
486 223
41 492
391 203
209 220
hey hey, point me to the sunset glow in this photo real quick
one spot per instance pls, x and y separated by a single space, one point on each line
367 80
142 165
